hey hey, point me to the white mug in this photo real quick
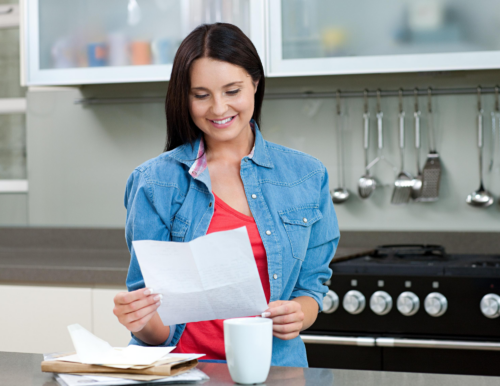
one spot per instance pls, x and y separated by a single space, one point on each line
249 347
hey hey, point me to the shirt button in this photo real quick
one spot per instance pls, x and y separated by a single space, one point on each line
246 159
304 219
254 196
210 205
275 276
268 233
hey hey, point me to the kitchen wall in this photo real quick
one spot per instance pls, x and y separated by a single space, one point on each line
79 157
13 207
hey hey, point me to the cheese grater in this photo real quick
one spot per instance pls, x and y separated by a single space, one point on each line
431 174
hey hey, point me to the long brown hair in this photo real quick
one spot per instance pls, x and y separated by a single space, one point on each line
219 41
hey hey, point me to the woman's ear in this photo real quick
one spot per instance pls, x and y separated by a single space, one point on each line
256 85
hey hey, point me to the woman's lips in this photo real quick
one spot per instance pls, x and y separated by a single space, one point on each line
226 122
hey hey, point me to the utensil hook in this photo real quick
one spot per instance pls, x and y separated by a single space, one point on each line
365 104
400 94
497 104
415 93
379 109
479 105
340 140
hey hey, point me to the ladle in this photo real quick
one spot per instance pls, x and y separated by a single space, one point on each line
480 198
366 183
340 194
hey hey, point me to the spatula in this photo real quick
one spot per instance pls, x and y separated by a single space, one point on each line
431 174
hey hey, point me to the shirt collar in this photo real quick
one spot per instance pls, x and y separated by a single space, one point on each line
194 156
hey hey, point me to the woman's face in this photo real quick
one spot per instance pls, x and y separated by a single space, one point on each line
221 99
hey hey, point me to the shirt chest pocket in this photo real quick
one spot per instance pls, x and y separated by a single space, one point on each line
179 228
298 223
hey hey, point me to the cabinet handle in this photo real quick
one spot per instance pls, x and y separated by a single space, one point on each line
339 340
6 10
430 343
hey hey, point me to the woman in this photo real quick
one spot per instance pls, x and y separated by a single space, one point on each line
218 173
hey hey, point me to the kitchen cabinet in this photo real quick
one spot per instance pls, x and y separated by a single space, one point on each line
35 318
104 323
321 37
115 41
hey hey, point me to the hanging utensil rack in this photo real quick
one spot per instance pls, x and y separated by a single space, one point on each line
304 95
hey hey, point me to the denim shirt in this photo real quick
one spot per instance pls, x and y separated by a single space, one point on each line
288 194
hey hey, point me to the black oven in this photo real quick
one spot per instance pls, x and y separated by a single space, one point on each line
410 308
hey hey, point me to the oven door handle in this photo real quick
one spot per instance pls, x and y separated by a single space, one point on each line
431 343
339 340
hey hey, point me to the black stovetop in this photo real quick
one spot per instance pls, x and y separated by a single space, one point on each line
419 260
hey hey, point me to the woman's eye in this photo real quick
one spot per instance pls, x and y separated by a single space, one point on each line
201 96
233 92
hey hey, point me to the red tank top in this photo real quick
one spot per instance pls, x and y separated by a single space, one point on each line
208 337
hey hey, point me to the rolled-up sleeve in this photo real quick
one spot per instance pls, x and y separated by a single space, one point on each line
323 242
142 223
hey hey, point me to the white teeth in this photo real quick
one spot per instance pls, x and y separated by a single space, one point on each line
223 121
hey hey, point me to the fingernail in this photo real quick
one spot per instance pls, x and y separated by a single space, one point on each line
159 303
158 297
148 291
266 314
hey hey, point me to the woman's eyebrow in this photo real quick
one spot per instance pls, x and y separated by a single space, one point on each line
226 85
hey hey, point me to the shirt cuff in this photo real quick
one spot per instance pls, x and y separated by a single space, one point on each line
136 341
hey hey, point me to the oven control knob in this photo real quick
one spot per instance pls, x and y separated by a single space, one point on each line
408 303
490 306
354 302
330 302
381 303
435 304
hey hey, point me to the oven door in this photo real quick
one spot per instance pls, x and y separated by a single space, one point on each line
398 354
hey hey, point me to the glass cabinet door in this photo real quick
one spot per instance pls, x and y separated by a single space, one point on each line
95 41
366 36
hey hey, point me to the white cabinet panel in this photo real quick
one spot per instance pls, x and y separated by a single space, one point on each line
35 319
317 37
105 323
93 41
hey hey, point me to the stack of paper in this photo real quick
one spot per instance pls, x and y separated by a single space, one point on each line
96 362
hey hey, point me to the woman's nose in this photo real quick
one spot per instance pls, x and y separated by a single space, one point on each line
219 107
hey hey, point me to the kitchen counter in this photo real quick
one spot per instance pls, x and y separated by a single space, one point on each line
85 256
81 266
24 370
76 256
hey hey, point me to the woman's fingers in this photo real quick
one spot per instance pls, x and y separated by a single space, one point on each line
139 314
128 297
138 304
286 336
138 325
287 328
134 309
289 318
280 307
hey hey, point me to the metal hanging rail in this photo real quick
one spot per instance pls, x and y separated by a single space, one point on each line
311 94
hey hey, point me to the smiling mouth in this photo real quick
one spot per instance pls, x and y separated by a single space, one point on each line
222 121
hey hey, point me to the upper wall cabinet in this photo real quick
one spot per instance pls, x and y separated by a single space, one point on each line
119 41
319 37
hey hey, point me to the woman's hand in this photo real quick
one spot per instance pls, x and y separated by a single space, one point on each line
288 318
135 309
